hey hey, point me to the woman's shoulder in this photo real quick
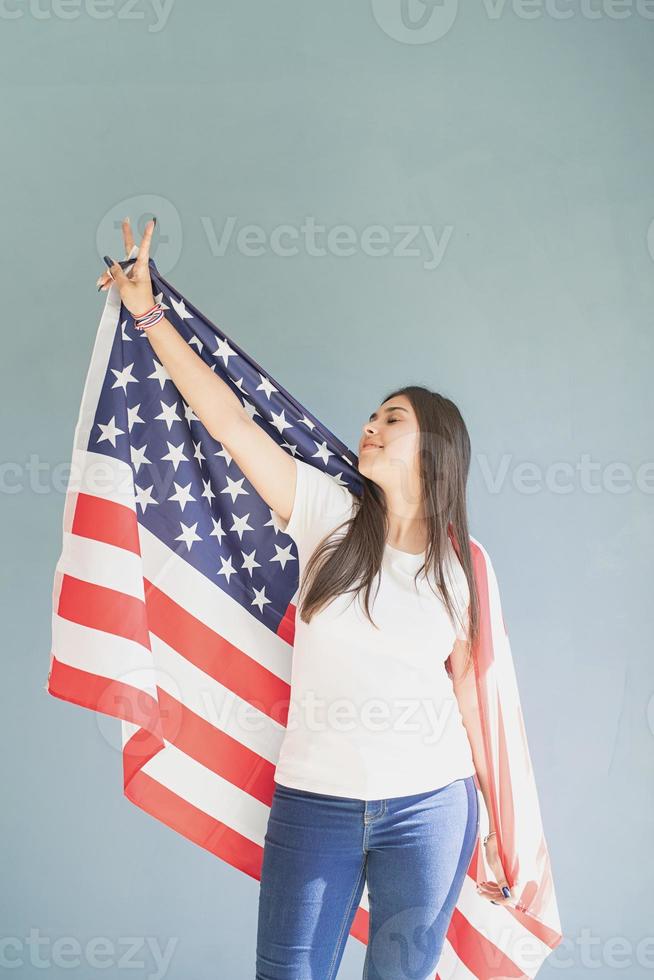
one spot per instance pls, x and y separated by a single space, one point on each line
329 493
322 501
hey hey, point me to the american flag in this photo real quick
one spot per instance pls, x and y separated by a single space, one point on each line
173 609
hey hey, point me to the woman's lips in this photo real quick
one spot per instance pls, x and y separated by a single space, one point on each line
370 447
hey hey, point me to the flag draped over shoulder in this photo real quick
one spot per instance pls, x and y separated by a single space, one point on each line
174 611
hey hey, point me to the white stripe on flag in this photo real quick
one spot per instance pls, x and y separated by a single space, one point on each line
209 792
508 934
105 654
450 966
102 564
99 475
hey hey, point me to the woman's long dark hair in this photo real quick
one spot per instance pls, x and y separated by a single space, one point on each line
350 562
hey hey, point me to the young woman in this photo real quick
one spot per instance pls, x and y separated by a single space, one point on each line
374 783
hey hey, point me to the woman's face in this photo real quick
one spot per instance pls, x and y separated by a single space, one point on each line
388 447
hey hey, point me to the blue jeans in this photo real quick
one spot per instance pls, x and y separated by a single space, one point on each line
411 851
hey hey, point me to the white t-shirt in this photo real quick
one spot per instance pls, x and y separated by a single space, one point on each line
372 712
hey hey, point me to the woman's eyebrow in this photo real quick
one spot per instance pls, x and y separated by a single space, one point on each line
392 408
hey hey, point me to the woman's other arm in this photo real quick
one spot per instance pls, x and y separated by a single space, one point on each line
465 689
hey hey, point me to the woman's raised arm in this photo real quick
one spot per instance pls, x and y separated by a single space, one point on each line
268 467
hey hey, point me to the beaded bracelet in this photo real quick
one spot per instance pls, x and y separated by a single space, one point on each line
150 317
485 840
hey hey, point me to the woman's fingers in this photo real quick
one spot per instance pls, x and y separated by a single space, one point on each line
116 273
500 877
141 264
138 268
125 264
492 891
128 237
500 887
105 280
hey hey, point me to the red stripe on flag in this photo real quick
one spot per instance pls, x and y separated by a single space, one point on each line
216 749
216 656
481 956
111 697
137 751
107 521
103 609
483 656
361 925
286 628
195 824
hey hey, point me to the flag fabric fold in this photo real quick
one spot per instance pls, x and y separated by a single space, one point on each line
173 610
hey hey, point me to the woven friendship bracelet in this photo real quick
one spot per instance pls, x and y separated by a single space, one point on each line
150 317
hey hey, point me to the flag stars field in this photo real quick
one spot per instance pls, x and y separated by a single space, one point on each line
207 492
124 377
280 422
266 386
260 598
227 568
110 431
225 351
175 454
188 535
250 408
168 414
144 497
133 416
182 495
138 457
241 525
159 374
234 488
197 451
225 454
179 307
249 564
218 530
189 414
283 555
323 453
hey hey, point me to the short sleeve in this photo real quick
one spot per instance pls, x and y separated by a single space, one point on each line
320 505
460 594
462 628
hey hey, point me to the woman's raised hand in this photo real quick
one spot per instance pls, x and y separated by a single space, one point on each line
135 286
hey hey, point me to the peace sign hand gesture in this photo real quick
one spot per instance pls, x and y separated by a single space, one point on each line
135 286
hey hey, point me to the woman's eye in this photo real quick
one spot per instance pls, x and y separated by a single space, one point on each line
390 421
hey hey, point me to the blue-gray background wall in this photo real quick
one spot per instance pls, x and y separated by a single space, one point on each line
521 138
